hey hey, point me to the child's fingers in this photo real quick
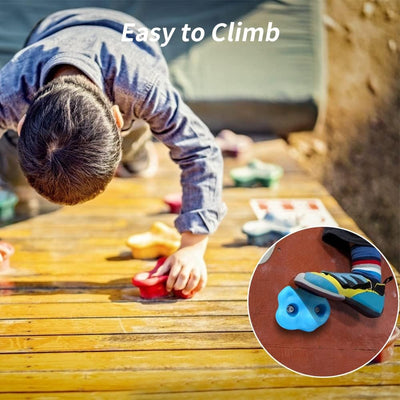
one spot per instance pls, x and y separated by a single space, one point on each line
173 275
201 283
183 277
163 269
192 283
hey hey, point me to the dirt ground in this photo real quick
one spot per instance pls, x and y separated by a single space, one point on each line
355 152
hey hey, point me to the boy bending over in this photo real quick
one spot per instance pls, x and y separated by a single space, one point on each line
85 104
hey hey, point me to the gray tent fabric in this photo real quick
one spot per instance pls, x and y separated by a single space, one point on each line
248 86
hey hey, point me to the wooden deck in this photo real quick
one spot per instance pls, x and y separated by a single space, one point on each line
70 321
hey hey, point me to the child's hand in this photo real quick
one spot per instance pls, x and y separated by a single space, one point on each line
188 271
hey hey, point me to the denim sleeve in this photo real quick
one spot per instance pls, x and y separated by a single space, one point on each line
193 148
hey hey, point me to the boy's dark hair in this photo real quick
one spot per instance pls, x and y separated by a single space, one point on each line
69 145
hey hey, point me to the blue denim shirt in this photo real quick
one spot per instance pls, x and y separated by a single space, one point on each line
134 75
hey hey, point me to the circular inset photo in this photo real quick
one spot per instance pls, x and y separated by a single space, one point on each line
323 301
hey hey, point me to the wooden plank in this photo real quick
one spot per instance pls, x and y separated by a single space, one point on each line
333 393
137 221
71 249
139 217
136 360
142 325
155 360
115 264
26 294
82 280
140 308
189 380
128 341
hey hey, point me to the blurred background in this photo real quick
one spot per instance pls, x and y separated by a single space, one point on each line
355 152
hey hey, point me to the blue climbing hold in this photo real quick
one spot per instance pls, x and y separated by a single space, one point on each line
302 310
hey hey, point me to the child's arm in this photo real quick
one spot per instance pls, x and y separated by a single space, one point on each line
188 271
192 146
